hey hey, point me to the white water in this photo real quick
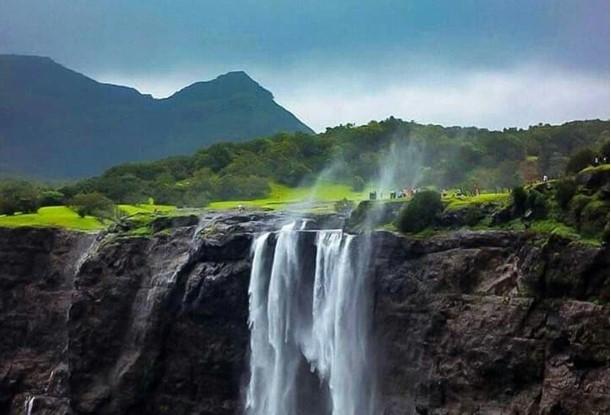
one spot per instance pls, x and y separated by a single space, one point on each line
309 307
29 405
87 253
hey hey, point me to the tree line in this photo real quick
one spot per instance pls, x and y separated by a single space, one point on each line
445 157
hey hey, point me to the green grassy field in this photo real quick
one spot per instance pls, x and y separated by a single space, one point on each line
53 217
321 197
64 217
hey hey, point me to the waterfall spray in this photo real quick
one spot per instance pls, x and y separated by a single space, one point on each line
319 319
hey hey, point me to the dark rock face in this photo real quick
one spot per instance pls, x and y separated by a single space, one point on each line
492 323
481 323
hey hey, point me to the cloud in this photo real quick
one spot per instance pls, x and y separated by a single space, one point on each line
490 99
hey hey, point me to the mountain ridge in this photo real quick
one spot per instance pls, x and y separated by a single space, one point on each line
58 123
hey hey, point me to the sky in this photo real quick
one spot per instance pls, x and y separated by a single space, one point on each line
487 63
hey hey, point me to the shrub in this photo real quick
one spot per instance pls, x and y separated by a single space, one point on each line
580 161
420 212
94 203
565 190
519 198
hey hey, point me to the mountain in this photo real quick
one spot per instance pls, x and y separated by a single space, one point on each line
58 123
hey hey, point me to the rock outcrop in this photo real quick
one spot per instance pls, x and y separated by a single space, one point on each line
468 323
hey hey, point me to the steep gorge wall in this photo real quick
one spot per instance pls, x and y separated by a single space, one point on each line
468 323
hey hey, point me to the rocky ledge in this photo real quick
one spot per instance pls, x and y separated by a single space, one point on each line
468 323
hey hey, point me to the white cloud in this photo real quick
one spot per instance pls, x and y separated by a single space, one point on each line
485 99
324 97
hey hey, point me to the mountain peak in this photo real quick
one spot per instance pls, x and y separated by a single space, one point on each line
236 75
235 83
80 126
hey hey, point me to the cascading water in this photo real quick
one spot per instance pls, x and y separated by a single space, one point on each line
310 309
29 405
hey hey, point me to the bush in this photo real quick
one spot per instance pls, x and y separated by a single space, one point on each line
420 212
519 199
580 161
94 204
565 190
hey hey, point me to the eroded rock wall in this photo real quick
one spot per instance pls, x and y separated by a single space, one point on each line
480 323
492 323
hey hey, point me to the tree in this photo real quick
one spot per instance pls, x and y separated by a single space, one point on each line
421 211
51 198
580 160
216 156
94 204
18 196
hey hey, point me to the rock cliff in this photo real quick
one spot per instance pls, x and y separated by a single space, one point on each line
468 323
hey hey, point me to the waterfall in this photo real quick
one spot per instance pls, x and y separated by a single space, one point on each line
87 253
309 308
29 405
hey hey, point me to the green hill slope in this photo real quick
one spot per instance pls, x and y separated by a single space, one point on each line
57 123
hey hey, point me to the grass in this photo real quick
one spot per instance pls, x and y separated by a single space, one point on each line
322 197
594 169
146 209
64 217
554 227
456 202
53 217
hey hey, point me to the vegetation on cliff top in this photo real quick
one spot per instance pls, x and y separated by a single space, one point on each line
341 163
442 157
575 207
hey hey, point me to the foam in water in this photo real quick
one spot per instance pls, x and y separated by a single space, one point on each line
309 307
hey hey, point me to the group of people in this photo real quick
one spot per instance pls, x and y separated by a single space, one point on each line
394 194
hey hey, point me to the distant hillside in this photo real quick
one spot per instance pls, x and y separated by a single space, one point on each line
57 123
391 154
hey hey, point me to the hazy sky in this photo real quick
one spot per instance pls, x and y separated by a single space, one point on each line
490 63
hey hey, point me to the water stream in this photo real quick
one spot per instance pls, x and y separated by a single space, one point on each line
310 308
